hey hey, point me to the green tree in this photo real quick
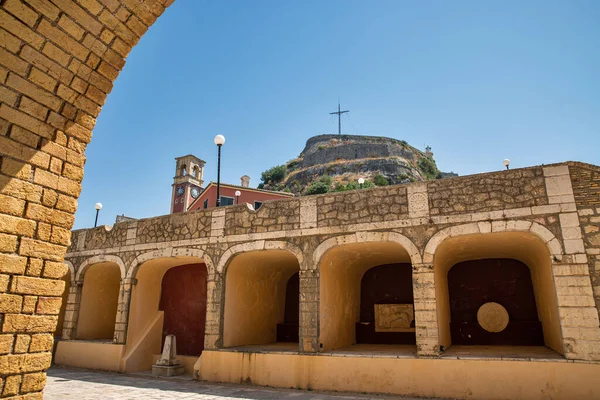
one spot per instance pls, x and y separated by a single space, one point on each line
380 180
427 167
352 185
317 188
274 174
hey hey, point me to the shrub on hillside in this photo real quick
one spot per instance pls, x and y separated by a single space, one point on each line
274 174
427 167
380 180
317 188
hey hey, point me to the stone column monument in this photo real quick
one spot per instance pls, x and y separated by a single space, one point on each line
168 364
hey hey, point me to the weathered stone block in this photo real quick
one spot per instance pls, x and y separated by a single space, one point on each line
48 305
41 342
10 303
28 323
11 385
6 343
33 382
22 344
37 286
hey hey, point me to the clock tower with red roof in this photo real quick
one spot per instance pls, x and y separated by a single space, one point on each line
187 183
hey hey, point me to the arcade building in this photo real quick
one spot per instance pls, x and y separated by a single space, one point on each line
484 286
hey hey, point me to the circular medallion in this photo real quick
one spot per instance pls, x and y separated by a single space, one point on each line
492 317
418 201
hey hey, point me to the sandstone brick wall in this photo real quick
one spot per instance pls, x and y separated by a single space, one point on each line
586 189
490 191
173 227
272 216
372 205
58 59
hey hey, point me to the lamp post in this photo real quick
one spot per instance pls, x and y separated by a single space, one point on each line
237 196
361 181
506 162
219 141
98 207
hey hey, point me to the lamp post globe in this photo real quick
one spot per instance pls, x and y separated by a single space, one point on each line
506 162
98 207
219 141
361 181
237 196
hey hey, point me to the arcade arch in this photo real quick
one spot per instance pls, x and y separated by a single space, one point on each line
366 290
99 300
510 267
261 297
168 298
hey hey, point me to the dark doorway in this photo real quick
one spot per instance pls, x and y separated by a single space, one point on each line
384 284
288 330
504 281
183 300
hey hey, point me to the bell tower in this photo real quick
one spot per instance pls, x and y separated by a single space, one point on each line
187 183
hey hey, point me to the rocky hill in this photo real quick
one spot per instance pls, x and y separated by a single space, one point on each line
336 162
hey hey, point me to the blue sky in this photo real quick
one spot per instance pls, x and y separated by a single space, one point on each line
479 81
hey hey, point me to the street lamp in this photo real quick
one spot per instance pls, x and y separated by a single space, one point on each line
361 181
506 162
237 196
98 207
219 141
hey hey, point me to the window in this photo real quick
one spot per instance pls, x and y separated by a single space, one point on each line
206 203
226 201
257 204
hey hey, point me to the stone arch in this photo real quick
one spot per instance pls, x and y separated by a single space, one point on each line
343 261
366 237
98 279
259 270
259 245
69 265
169 252
99 259
524 241
87 63
150 276
551 242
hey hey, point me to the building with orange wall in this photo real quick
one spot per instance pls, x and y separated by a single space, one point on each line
189 195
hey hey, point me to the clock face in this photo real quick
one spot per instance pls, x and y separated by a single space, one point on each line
180 190
195 193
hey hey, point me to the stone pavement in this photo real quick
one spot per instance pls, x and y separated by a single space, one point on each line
76 384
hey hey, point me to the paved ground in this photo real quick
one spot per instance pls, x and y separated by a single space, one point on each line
71 383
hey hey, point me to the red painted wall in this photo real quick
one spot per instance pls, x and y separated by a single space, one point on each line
177 207
384 284
507 282
247 196
183 299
